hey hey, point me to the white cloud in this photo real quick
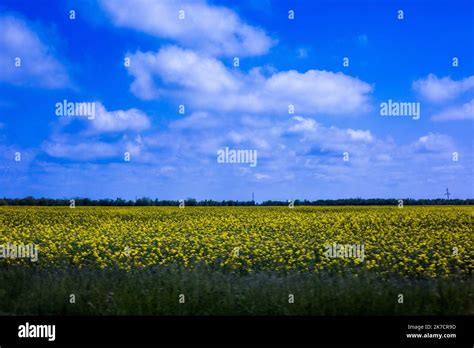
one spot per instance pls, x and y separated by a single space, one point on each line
287 153
329 136
82 151
197 120
95 142
247 136
81 148
205 83
38 65
261 177
118 120
303 125
180 67
359 135
440 90
213 29
433 143
318 91
463 112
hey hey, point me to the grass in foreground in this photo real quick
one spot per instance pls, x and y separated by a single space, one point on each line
156 292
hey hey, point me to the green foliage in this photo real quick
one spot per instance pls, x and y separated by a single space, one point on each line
156 291
146 201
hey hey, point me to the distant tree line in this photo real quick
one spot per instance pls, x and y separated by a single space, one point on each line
145 201
375 201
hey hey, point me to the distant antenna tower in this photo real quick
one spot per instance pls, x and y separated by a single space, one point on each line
447 194
253 197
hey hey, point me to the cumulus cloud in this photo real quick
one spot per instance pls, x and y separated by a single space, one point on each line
197 120
319 91
83 148
433 143
107 136
118 120
213 29
290 151
439 90
314 131
303 125
176 66
456 113
38 67
359 135
80 151
283 145
205 83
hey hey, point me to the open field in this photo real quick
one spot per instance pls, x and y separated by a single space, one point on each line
238 260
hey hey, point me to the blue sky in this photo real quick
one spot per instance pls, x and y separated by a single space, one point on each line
282 62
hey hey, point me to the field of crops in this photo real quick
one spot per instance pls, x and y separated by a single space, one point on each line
420 241
422 244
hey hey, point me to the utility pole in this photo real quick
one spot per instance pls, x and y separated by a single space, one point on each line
447 194
253 198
